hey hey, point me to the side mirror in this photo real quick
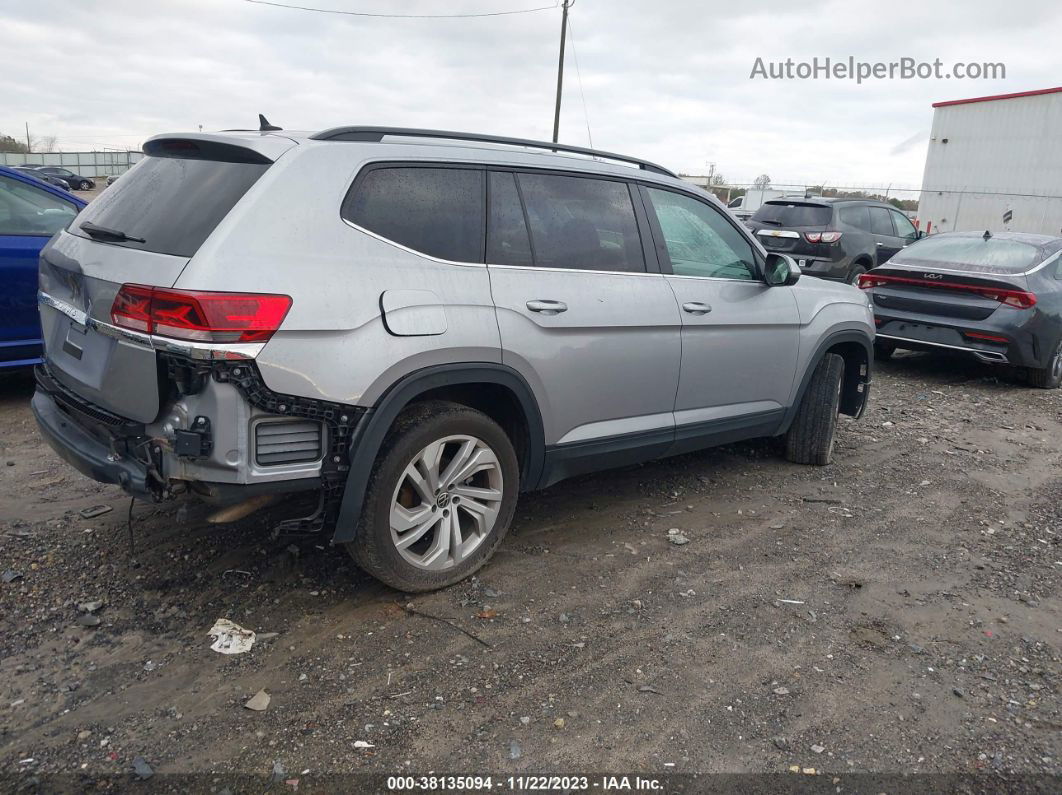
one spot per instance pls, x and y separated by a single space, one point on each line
781 270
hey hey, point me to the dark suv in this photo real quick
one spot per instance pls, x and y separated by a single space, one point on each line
833 238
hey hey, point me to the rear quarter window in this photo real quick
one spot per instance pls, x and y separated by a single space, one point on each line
172 203
793 214
435 211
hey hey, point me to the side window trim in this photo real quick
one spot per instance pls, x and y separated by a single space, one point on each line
658 233
527 220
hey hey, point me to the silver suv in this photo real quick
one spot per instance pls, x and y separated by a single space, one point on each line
412 326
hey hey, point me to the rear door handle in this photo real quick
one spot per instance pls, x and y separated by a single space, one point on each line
547 307
696 308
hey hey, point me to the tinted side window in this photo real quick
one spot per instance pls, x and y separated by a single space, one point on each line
855 216
881 221
582 223
26 210
904 227
508 242
436 211
699 241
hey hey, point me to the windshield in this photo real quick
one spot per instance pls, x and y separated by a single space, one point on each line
793 214
172 203
994 255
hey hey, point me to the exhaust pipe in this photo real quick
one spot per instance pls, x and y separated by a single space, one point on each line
233 513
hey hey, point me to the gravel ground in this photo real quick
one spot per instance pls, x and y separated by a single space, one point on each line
896 612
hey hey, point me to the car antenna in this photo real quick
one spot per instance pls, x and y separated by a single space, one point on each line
986 235
265 126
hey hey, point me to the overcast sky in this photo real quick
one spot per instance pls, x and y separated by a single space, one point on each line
667 80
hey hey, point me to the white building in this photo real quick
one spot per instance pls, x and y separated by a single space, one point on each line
995 163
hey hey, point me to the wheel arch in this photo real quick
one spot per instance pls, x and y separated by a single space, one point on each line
855 347
498 391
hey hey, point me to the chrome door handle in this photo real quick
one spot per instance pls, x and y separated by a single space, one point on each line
696 308
547 307
880 243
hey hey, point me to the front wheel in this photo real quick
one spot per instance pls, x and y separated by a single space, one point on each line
84 185
1049 377
809 439
440 498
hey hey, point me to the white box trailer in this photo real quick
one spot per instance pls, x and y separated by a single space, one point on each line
995 163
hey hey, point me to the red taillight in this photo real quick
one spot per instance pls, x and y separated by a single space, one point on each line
198 315
977 335
813 237
1019 299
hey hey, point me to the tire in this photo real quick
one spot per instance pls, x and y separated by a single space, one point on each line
809 439
856 271
884 350
400 487
84 185
1049 377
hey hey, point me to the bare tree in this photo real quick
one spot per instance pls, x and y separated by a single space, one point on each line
42 143
762 182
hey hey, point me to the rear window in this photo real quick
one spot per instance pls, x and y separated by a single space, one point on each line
436 211
172 203
973 253
793 214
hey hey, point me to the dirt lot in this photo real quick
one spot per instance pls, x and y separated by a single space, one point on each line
897 611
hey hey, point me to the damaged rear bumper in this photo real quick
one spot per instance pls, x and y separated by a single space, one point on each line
86 453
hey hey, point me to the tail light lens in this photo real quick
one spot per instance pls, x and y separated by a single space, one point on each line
198 315
1019 299
822 237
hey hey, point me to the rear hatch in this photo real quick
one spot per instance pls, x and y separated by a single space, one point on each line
783 225
142 230
955 278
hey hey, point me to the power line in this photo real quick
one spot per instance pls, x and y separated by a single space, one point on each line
579 77
401 16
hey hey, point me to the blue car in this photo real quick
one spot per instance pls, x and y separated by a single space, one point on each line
31 211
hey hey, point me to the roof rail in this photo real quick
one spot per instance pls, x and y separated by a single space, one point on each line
376 134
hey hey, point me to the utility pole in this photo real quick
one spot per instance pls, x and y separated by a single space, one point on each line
560 68
28 147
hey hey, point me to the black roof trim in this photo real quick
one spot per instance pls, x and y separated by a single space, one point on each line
376 134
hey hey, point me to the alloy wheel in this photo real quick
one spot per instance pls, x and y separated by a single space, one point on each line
446 502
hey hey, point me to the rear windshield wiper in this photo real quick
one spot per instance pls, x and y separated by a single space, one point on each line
103 233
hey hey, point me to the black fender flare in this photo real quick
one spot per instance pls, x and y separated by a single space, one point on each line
369 435
849 335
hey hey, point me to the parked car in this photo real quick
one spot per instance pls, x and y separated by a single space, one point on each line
745 205
997 297
29 171
833 238
416 325
76 181
31 211
112 178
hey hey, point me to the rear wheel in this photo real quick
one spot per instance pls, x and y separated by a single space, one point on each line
1049 377
856 271
884 350
439 500
810 437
